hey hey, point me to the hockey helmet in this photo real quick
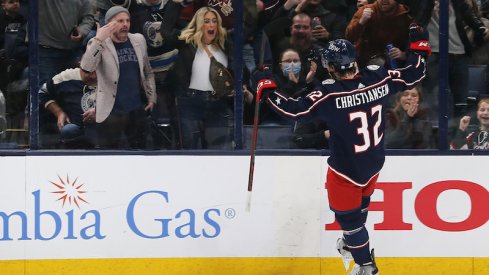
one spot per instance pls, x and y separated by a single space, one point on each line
340 53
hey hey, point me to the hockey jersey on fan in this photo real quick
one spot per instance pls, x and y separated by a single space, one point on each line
70 92
353 110
148 19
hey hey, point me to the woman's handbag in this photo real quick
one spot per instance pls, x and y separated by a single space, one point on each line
221 79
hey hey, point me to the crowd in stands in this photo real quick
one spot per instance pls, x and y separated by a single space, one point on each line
14 84
134 74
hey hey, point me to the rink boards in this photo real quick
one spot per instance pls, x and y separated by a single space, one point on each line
186 215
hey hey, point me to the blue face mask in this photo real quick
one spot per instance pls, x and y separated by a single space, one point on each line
295 65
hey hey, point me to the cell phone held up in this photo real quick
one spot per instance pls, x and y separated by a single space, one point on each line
316 21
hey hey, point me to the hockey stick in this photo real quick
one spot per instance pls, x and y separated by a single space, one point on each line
254 137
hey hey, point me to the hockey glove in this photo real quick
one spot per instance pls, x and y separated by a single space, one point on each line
419 40
264 88
262 72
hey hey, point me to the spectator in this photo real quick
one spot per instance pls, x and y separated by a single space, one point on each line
224 8
407 126
101 7
478 138
293 81
147 18
361 3
10 23
332 26
205 122
252 36
125 82
68 96
256 48
305 135
459 50
376 25
479 52
13 73
300 39
63 27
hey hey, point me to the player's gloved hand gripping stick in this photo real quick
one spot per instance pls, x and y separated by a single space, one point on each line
263 85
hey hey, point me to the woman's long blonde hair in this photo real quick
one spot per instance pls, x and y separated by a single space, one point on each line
193 32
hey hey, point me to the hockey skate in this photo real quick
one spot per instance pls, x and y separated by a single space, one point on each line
368 269
345 253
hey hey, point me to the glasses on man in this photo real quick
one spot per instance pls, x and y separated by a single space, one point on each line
299 27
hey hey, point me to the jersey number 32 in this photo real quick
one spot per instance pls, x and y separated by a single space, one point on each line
365 130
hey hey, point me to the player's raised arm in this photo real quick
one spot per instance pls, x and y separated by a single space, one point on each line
289 108
415 69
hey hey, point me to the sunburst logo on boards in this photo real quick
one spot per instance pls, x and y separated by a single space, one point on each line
70 192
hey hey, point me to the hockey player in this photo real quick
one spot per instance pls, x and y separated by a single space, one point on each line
352 105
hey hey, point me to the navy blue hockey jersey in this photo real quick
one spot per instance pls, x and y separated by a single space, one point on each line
70 92
353 109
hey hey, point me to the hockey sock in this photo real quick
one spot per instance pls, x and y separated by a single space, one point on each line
357 241
364 209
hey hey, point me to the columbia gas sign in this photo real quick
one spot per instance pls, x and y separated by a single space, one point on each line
131 206
79 224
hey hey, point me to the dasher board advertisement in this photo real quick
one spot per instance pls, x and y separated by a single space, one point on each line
83 207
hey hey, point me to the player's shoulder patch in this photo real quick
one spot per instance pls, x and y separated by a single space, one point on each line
328 81
373 67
